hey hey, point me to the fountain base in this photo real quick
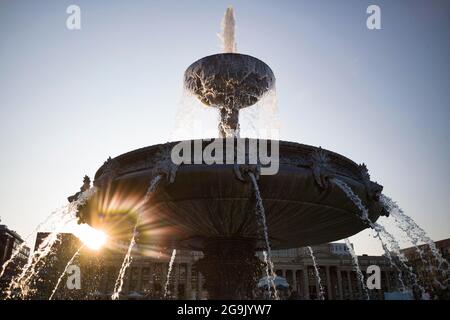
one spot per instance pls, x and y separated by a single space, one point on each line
230 267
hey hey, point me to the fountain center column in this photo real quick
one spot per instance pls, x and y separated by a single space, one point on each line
230 268
229 122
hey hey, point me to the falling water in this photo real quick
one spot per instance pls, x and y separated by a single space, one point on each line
153 185
65 271
358 269
316 270
169 271
125 264
261 121
227 34
415 233
23 280
67 210
16 251
381 233
261 218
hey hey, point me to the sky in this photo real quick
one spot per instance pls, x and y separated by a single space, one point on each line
71 98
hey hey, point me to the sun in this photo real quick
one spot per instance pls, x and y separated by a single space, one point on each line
92 238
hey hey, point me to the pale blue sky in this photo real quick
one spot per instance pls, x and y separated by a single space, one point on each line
70 99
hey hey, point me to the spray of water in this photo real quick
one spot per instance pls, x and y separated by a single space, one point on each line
261 218
357 268
172 259
227 34
64 272
261 121
68 210
316 270
36 261
382 235
59 212
417 235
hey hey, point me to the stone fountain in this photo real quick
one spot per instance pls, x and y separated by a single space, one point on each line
211 207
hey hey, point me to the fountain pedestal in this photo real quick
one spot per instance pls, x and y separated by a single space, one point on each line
230 267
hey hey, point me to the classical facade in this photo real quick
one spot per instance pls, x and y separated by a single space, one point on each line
339 279
147 276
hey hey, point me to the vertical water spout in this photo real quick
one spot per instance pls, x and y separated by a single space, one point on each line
227 33
169 271
317 272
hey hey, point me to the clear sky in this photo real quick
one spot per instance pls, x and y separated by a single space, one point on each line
69 99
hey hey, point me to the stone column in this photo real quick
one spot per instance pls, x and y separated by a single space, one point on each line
294 280
306 283
327 270
339 281
139 286
188 281
199 286
151 270
349 280
175 276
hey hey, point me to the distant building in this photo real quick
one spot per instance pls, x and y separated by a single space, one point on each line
339 248
337 272
146 277
11 243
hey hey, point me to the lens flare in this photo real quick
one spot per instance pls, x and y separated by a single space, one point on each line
92 238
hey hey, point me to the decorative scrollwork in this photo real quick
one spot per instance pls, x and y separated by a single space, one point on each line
373 189
320 168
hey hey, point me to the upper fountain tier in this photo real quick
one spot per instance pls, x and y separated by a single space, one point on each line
229 82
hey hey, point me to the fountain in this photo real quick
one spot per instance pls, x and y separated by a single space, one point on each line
216 208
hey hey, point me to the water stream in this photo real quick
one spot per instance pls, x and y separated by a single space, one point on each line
262 223
357 268
317 272
65 271
385 238
169 271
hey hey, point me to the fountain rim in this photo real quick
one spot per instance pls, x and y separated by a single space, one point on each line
231 54
286 145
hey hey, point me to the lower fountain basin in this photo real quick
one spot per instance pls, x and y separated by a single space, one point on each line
204 202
